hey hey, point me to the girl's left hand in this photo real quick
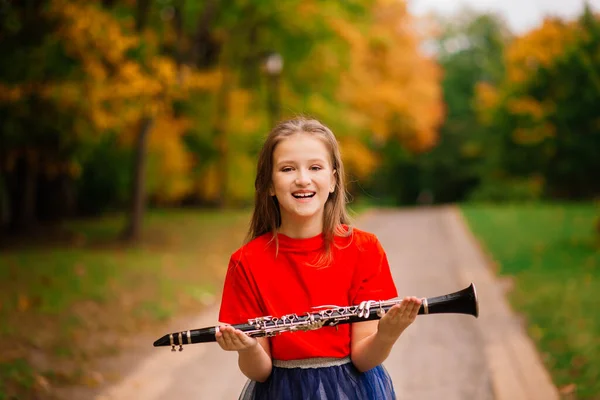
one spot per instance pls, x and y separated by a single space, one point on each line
232 339
398 318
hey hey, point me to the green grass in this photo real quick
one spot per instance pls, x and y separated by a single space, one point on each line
17 373
89 283
553 253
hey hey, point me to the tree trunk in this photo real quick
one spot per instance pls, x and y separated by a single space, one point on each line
221 140
141 14
21 186
274 99
204 49
138 195
133 229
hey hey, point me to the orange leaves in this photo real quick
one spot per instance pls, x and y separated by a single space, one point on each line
23 303
388 78
533 135
527 106
10 93
530 117
536 48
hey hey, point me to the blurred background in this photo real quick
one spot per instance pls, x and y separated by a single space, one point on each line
129 132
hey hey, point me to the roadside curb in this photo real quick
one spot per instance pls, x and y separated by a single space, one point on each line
515 367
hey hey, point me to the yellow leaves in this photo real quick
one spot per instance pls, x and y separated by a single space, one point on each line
84 27
130 82
164 70
486 100
207 187
242 119
201 80
307 10
242 170
170 176
358 160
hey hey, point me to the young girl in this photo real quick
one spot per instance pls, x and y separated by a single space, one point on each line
302 253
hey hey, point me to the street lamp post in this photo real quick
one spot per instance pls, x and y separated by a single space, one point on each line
273 65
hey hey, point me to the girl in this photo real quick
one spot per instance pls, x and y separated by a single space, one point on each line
302 253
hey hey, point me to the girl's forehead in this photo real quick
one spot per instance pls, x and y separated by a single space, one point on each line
302 144
303 138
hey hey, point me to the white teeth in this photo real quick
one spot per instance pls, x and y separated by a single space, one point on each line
303 195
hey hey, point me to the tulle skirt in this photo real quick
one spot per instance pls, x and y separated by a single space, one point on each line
321 379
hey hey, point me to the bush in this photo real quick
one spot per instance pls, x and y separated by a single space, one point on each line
507 191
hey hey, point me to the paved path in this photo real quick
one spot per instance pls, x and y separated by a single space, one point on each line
440 357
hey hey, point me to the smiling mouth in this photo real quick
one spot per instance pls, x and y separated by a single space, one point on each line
303 195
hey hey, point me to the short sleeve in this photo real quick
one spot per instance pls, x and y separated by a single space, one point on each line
373 279
240 300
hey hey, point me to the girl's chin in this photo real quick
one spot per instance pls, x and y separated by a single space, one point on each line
303 213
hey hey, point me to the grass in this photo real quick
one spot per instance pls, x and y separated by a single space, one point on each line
553 253
66 302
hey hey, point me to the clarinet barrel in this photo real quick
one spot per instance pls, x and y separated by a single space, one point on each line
462 302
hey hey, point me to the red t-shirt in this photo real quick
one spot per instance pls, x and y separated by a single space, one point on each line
261 283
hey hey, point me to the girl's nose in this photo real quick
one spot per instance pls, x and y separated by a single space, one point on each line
302 179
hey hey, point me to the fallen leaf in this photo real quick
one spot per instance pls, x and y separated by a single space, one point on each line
23 303
42 383
568 389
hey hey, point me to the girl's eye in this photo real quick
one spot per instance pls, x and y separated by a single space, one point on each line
286 169
316 168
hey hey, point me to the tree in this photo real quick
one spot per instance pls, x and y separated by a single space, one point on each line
545 110
469 48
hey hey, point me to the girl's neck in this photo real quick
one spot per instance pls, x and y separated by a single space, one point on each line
301 230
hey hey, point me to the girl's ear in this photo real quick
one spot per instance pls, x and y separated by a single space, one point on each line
271 191
332 188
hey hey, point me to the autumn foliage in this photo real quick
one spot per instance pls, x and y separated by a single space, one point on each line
93 70
545 108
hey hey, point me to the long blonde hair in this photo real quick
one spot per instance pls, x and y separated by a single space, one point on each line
267 215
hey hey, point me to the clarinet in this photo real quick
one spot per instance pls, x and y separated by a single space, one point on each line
462 302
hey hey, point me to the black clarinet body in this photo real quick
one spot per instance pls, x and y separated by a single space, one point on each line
461 302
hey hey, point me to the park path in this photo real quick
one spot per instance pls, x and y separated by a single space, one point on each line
450 357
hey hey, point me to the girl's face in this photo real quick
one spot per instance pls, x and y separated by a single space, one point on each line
302 179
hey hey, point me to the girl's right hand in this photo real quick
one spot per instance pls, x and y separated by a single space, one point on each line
232 339
398 318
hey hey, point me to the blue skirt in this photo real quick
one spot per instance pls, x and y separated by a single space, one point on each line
321 379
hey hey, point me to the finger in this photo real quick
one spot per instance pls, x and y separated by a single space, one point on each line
393 312
405 306
221 334
245 340
416 305
228 338
239 337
